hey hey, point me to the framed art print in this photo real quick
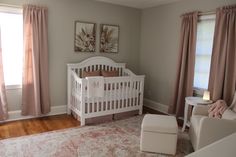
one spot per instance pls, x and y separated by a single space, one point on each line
109 38
85 37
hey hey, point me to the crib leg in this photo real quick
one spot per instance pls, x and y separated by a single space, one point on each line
140 111
82 121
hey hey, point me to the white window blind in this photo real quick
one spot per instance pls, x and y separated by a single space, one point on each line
11 25
205 33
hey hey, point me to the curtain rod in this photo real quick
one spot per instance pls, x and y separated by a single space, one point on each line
206 13
9 5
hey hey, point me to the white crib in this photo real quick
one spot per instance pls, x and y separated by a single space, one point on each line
125 92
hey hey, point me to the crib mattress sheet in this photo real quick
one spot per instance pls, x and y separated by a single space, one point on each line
117 94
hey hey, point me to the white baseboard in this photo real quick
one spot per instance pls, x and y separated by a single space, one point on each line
155 105
57 110
16 115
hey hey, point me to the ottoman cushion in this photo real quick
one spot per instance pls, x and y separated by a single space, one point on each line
159 134
160 123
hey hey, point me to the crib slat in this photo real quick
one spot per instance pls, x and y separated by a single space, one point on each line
139 89
97 105
127 93
88 105
118 95
93 105
115 95
136 93
122 95
110 96
77 93
102 103
132 94
88 69
107 93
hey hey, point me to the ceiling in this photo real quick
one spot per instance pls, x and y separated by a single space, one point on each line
140 4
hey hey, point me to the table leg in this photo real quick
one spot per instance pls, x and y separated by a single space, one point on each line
185 116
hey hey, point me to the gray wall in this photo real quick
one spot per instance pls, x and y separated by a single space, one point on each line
160 29
62 14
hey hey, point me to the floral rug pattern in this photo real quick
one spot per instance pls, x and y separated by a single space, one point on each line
114 139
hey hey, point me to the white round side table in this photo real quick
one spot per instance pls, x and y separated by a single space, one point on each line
193 101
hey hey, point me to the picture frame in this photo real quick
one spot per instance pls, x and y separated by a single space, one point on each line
85 36
109 38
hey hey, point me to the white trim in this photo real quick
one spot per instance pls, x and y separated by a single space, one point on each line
207 17
155 105
16 115
11 9
97 60
12 87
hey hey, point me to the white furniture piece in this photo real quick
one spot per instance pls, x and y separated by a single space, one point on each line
205 130
122 94
192 101
159 134
224 147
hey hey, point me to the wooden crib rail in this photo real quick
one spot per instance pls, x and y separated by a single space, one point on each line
97 63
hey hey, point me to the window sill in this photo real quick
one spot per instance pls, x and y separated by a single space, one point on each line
12 87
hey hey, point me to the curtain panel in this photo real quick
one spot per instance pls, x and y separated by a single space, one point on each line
3 98
222 80
186 62
35 86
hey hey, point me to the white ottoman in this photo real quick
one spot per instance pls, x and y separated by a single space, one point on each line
159 134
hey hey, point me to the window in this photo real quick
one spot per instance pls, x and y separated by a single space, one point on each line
11 25
205 33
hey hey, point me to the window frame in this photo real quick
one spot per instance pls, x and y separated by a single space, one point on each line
196 90
12 10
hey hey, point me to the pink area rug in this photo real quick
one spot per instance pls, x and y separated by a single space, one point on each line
114 139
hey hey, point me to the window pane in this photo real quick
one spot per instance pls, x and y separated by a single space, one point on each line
12 47
202 63
204 80
205 33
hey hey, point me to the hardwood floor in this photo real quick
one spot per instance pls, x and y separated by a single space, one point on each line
43 124
37 125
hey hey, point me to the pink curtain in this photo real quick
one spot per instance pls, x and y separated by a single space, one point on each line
3 98
222 79
35 94
185 71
